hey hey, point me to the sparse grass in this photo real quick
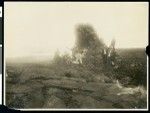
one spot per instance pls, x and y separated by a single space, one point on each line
131 71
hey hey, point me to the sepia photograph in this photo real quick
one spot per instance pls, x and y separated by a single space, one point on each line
76 55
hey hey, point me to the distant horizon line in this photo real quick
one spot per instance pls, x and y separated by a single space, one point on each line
44 55
131 47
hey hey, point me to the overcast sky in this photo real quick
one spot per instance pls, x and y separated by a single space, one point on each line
39 28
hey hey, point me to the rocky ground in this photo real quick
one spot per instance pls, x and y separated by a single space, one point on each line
69 88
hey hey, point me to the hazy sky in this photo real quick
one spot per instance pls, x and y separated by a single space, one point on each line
39 28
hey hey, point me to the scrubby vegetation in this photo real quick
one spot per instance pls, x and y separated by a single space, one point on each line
61 83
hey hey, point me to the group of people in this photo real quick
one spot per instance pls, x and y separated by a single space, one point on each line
78 57
109 54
